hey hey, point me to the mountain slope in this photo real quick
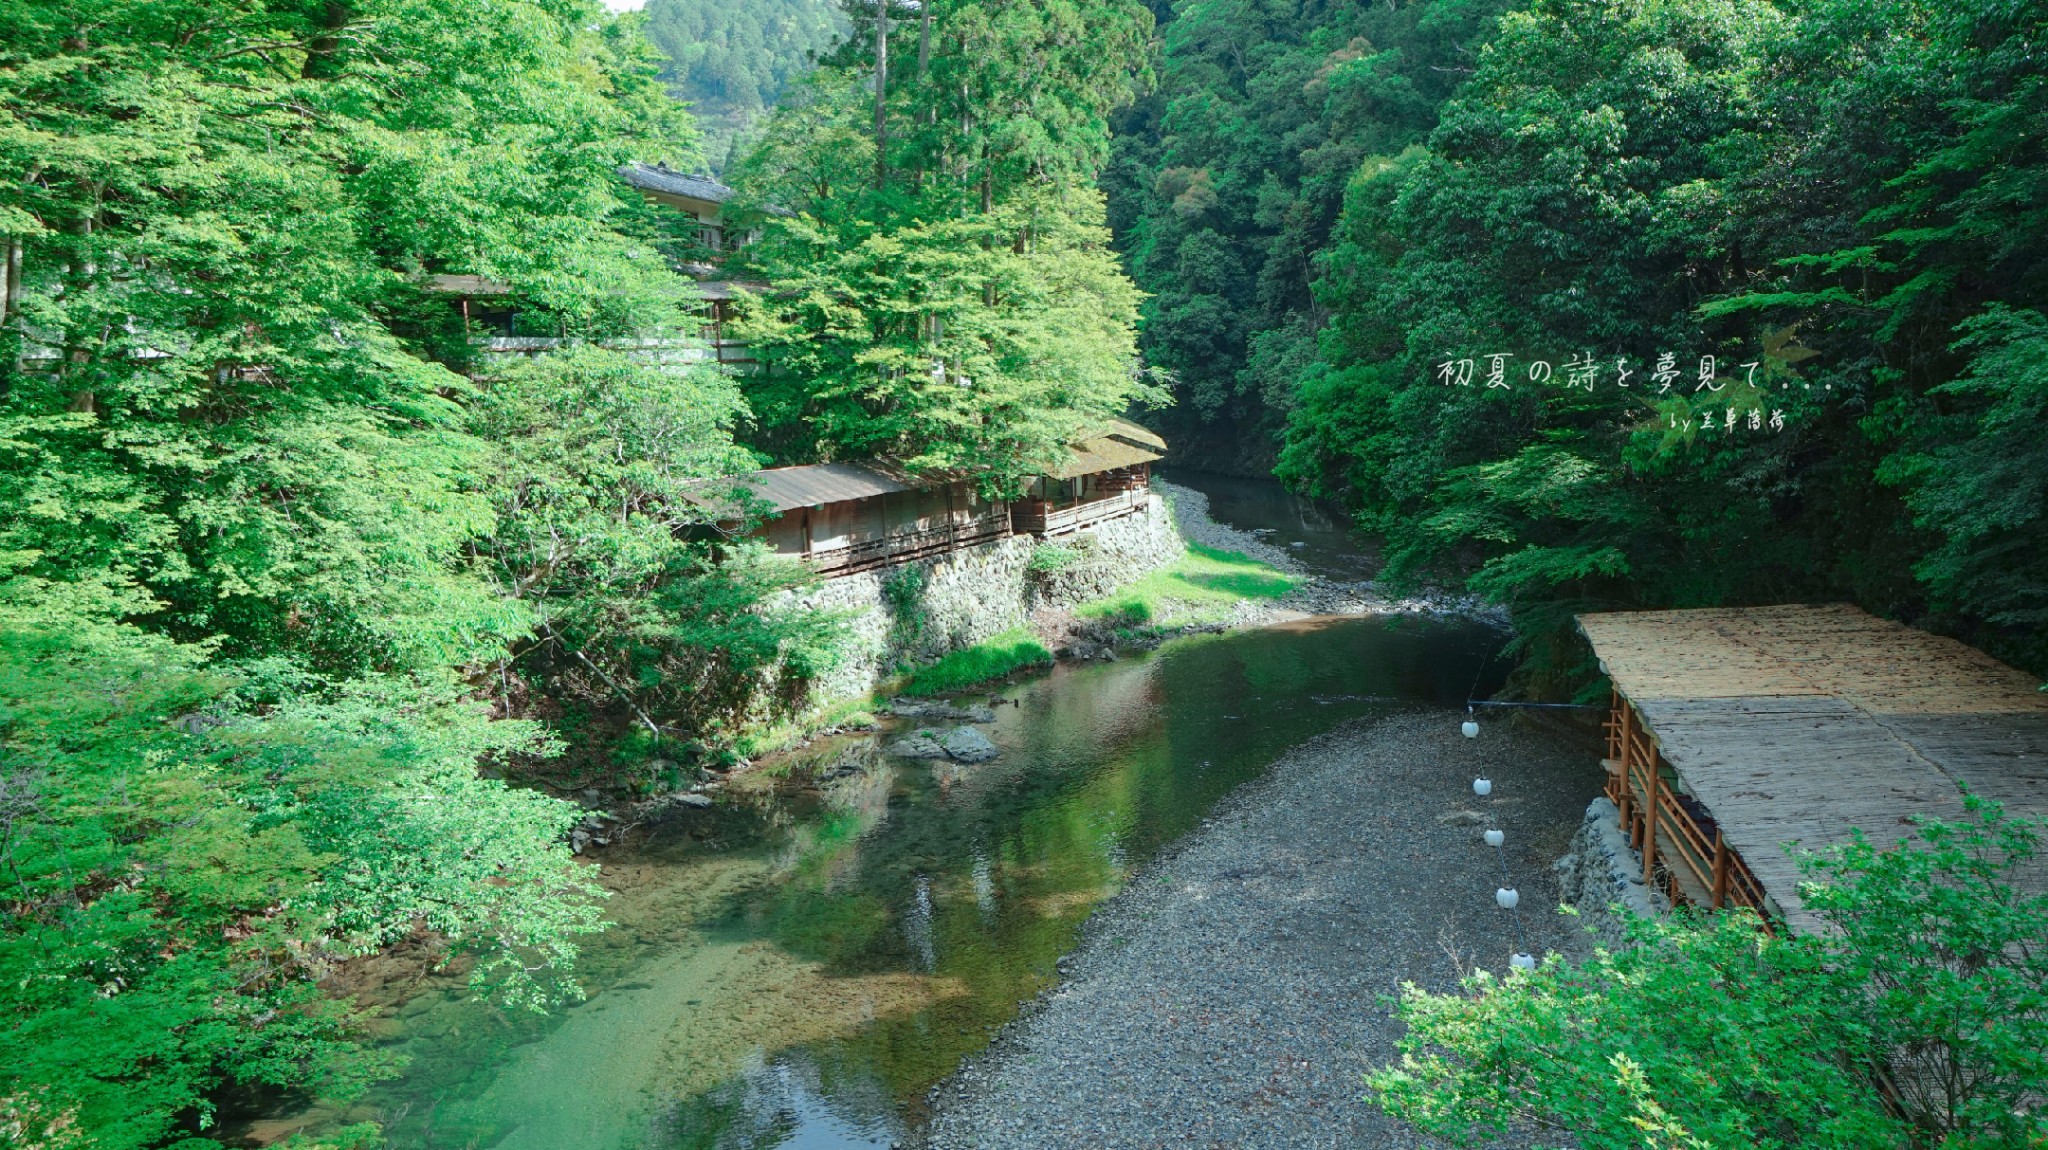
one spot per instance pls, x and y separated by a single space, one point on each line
731 59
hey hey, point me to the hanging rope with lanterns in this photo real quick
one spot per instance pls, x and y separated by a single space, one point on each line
1506 896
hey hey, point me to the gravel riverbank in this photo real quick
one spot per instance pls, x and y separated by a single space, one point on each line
1318 595
1231 995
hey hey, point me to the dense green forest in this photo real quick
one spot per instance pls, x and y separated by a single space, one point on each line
307 608
1329 201
300 593
946 288
732 61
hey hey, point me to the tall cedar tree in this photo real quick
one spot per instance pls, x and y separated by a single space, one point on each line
942 285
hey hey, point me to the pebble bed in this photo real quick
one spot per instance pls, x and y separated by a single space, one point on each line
1191 515
1233 993
1317 595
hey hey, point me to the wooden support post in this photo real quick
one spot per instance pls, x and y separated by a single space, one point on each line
1614 722
1628 793
1720 870
1650 819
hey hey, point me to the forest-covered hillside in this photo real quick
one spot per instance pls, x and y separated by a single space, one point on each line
732 60
1329 202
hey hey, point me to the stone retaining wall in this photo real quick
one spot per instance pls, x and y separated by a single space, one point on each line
1602 876
921 611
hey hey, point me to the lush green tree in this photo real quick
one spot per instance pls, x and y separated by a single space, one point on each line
1903 208
596 459
952 345
942 287
263 571
1918 1018
1766 185
191 847
1228 180
224 229
1564 210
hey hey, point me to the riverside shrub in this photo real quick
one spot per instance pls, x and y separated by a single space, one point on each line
1921 1019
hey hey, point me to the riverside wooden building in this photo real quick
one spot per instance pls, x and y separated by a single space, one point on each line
491 310
843 518
1737 732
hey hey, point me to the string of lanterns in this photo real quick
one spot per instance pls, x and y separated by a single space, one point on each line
1506 897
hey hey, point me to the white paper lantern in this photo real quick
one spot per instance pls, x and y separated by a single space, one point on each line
1482 786
1495 838
1471 729
1523 962
1507 898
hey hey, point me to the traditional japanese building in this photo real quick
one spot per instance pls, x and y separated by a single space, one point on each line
1107 475
701 197
491 310
1736 733
842 518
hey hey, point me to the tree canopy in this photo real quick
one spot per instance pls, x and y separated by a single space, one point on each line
943 289
1330 201
284 561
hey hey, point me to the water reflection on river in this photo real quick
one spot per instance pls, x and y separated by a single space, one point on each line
799 968
1315 533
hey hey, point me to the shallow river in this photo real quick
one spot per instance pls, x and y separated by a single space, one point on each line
798 967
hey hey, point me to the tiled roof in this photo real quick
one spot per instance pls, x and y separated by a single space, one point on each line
1121 444
658 178
784 488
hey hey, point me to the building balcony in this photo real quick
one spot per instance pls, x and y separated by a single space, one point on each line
726 351
1042 518
904 546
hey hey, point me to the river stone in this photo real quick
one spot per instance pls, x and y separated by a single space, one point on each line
918 745
913 709
967 745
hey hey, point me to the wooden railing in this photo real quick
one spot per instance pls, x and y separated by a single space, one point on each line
671 350
1684 854
902 547
1040 518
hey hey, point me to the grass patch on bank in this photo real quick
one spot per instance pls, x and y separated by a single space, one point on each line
1201 586
852 714
1012 650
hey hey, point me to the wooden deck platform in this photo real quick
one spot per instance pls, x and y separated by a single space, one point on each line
1792 725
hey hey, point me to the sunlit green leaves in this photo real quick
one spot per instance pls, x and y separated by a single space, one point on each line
1918 1018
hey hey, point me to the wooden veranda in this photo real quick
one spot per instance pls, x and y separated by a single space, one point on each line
1736 733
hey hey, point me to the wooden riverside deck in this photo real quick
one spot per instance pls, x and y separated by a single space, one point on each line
1792 725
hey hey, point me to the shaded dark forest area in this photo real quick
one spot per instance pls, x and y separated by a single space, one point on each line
1327 201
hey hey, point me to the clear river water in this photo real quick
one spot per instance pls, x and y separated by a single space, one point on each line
800 965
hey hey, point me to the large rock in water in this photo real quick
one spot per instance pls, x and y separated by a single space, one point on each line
918 745
967 745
